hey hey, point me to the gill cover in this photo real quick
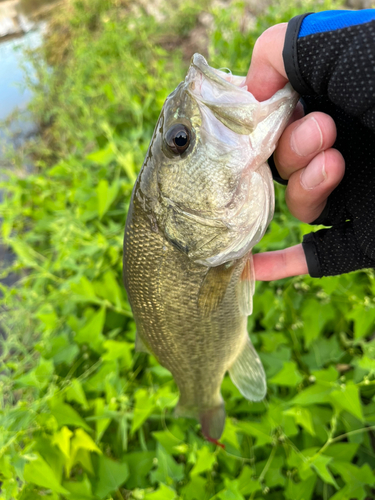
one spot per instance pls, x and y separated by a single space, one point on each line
217 190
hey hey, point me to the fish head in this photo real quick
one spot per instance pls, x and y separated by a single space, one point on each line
205 176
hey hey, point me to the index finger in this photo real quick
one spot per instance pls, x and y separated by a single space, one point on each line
267 73
280 264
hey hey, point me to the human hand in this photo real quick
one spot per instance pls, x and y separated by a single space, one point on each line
304 155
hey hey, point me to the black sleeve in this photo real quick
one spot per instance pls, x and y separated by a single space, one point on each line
337 63
330 62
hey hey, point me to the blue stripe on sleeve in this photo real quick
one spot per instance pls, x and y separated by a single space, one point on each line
332 20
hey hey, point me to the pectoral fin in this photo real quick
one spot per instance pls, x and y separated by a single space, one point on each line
247 373
246 287
214 286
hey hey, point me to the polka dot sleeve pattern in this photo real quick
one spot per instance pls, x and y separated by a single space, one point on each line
334 71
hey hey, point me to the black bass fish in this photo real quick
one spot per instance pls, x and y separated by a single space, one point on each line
203 199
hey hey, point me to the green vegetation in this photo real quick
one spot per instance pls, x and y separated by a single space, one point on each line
82 417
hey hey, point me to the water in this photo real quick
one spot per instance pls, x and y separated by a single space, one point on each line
13 93
14 96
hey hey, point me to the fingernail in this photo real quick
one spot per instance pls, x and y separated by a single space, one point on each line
307 138
315 173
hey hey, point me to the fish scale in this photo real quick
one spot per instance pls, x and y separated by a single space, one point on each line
160 277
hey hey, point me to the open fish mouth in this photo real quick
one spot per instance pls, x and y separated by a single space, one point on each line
226 95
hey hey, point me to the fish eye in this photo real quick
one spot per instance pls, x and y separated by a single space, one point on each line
178 138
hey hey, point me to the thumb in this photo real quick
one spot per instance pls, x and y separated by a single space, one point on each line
267 73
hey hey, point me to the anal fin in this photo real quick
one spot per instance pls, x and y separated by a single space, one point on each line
247 373
140 346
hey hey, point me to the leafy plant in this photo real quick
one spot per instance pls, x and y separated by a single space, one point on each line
83 417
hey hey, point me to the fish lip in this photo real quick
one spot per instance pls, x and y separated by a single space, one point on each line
199 63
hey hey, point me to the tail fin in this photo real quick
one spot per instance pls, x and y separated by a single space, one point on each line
212 422
212 419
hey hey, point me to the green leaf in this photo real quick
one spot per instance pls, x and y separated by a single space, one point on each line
47 315
38 377
26 254
323 351
82 457
163 493
5 467
246 483
329 374
84 289
140 463
353 474
76 393
297 460
195 489
205 461
111 475
347 398
350 491
302 490
320 463
261 431
230 437
106 195
302 417
169 439
40 473
289 376
366 364
315 318
83 441
127 162
144 406
91 333
231 491
167 469
101 424
274 361
62 440
356 479
343 452
79 490
118 350
102 156
317 393
81 447
363 320
66 415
